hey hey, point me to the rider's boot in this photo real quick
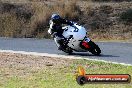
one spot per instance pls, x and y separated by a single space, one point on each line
62 46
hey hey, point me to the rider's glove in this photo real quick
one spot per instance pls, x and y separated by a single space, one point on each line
50 31
71 23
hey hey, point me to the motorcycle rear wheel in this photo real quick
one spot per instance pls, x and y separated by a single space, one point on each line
94 49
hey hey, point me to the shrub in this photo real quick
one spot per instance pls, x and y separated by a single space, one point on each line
7 7
110 0
98 18
23 13
40 20
68 9
9 25
126 16
107 9
32 19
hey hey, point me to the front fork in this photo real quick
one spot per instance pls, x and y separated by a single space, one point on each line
65 41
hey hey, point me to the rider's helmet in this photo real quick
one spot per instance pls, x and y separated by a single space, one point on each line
55 18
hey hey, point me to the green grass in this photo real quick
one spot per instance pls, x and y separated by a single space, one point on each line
64 76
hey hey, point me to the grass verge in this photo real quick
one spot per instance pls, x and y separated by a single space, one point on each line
27 71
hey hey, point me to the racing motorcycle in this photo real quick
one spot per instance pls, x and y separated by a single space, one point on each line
76 40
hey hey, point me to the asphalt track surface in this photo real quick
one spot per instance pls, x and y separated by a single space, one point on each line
111 51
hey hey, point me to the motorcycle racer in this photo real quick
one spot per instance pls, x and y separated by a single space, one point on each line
56 29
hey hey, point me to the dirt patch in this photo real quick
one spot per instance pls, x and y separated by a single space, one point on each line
22 65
